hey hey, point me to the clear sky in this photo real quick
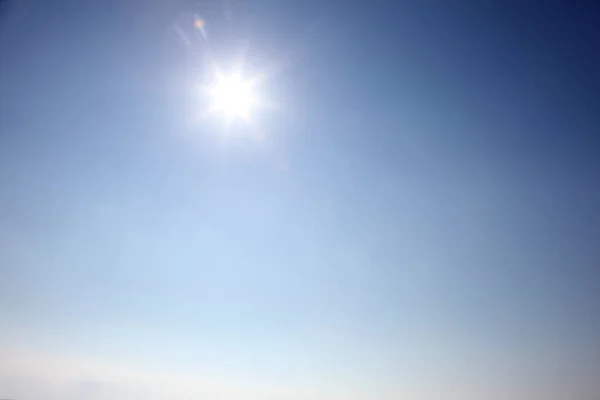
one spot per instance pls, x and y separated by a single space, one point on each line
421 219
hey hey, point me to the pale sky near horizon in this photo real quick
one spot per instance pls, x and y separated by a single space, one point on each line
420 218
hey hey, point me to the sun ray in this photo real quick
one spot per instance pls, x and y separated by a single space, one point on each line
231 97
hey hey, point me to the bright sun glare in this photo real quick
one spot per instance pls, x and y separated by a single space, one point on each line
231 97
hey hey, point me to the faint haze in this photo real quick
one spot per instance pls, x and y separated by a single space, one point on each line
419 220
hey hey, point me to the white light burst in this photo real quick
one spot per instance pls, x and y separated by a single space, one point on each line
232 97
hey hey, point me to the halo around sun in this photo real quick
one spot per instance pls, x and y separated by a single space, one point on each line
231 97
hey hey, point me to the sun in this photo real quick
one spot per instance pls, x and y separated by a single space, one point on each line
231 97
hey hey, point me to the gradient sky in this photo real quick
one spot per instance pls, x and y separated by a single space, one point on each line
421 221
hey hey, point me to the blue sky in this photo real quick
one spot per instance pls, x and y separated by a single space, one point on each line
421 218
